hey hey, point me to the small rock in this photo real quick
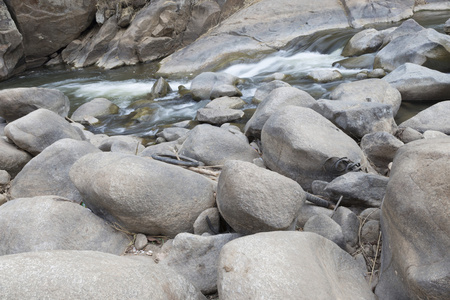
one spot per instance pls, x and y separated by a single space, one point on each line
201 224
140 241
370 232
161 88
5 178
407 135
325 75
349 223
326 227
371 213
432 134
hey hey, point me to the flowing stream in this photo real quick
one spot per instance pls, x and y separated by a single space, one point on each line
129 86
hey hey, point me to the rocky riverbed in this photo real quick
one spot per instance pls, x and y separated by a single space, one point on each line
305 198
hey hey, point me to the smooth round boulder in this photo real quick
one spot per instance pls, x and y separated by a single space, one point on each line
265 89
39 129
365 41
368 90
89 275
18 102
297 142
252 199
97 107
434 117
140 194
12 159
289 265
210 85
415 224
48 172
55 223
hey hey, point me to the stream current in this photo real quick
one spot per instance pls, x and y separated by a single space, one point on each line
126 85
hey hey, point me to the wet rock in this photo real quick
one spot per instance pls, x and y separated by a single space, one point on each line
358 189
366 41
213 146
415 223
368 90
447 27
219 116
160 88
274 101
415 82
324 75
407 27
380 148
349 223
211 85
320 270
89 274
55 223
358 118
12 159
265 89
140 194
39 129
122 144
407 135
97 107
18 102
297 142
252 199
201 224
197 257
364 61
433 118
376 73
48 172
12 54
326 227
48 26
426 47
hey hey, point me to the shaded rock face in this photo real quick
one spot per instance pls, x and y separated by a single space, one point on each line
140 194
12 57
54 223
297 142
252 199
12 159
90 275
18 102
48 172
433 118
415 223
50 25
288 265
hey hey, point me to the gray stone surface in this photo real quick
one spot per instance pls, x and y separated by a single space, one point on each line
201 225
288 265
48 172
213 146
326 227
265 89
358 118
97 107
39 129
365 41
407 135
325 75
173 133
297 141
89 275
218 116
140 194
12 159
252 199
380 148
415 82
415 223
55 223
434 117
122 144
210 85
368 90
276 100
160 88
196 258
18 102
349 223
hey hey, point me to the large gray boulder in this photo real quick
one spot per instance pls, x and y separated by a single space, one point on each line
89 275
415 82
289 265
12 159
275 100
12 53
323 225
210 85
265 89
48 172
18 102
252 199
221 110
368 90
380 148
426 47
196 258
365 41
39 129
97 107
358 118
50 25
415 223
433 118
140 194
297 142
213 146
55 223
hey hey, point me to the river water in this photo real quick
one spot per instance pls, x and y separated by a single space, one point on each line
127 85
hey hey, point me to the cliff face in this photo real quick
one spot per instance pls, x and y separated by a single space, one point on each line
194 36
